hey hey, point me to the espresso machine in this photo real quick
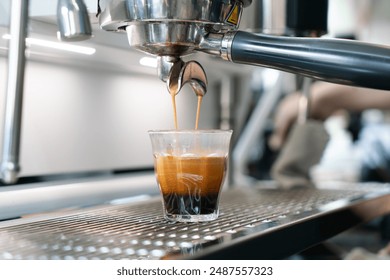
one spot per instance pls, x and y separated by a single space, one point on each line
173 29
258 223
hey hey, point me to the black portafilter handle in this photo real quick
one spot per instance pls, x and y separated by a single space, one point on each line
333 60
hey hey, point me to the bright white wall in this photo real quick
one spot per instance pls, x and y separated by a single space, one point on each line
87 119
368 19
39 8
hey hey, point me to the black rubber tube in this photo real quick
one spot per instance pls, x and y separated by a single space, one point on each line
333 60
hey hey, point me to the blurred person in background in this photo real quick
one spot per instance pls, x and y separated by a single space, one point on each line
372 142
367 21
369 142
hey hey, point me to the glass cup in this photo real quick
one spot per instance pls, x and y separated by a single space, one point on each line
190 168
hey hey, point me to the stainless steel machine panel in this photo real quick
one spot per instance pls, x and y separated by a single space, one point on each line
138 231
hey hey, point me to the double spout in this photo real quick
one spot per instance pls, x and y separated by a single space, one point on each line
176 73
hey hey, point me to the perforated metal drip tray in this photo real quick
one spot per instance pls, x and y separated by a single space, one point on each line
255 224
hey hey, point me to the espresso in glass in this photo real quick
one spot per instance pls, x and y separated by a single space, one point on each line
190 185
190 168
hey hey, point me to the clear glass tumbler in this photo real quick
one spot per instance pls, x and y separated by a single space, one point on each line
190 168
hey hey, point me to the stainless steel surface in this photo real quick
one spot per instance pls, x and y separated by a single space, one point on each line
270 16
52 195
138 231
73 20
304 101
176 74
165 64
190 72
168 27
14 95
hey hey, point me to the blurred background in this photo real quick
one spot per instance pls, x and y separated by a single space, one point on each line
87 110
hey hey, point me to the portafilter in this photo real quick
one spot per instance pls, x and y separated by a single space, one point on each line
171 29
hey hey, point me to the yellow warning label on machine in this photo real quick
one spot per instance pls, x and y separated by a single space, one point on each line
234 15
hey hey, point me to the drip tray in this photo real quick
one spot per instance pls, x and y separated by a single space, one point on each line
268 218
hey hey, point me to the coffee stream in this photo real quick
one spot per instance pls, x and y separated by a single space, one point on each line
174 110
200 98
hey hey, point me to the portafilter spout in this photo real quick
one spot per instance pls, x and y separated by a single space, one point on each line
175 28
190 72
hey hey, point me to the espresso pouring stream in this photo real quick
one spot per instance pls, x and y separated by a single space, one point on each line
190 72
